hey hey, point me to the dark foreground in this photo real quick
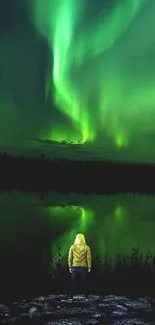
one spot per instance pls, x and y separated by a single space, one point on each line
56 309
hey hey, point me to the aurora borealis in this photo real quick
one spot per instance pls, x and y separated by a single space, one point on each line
80 74
121 222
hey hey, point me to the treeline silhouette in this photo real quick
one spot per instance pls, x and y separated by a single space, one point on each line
66 176
131 275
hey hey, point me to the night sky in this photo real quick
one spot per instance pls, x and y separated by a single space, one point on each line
78 81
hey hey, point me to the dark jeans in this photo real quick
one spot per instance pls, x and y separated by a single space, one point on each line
83 273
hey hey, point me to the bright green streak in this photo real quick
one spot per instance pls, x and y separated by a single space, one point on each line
59 131
108 29
84 219
103 73
66 97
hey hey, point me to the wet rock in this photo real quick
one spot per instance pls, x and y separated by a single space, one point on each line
65 322
139 304
91 322
132 322
4 310
56 309
96 315
23 305
32 310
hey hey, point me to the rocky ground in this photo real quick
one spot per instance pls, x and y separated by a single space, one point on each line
56 309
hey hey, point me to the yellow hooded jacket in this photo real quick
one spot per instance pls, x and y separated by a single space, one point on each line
79 253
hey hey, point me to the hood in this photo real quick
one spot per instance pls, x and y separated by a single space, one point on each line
79 239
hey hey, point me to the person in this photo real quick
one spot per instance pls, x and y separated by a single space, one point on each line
79 262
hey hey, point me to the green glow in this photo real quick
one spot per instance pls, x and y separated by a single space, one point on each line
84 219
120 214
102 69
99 61
120 140
116 224
121 221
61 133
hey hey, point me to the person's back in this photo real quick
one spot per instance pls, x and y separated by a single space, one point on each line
79 253
79 261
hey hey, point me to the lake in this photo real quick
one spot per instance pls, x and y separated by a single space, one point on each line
31 227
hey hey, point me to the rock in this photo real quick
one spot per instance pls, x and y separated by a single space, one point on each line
96 315
33 310
4 310
131 322
91 322
57 310
65 322
138 304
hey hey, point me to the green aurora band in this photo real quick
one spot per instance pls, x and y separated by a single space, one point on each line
102 69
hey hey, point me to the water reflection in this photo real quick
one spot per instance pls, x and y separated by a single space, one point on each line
28 224
83 223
